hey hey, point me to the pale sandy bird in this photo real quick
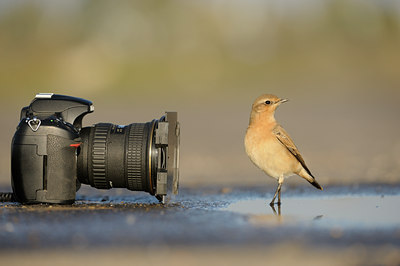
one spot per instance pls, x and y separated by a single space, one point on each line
269 146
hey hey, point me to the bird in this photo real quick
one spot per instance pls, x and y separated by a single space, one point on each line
270 147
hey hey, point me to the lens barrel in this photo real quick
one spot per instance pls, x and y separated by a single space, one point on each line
119 156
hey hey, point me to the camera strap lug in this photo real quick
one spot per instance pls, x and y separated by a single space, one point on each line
34 123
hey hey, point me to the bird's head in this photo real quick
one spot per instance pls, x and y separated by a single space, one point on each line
267 103
264 108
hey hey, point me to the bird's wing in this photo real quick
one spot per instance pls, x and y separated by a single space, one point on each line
285 139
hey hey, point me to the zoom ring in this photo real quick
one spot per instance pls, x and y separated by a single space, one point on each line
135 158
99 156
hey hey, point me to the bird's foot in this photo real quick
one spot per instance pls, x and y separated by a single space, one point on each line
272 203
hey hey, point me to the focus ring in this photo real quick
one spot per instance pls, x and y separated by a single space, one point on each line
99 155
135 161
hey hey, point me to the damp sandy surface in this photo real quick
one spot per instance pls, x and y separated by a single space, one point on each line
357 225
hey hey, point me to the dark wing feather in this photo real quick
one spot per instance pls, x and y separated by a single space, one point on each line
284 138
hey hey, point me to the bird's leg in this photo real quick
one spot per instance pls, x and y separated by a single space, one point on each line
279 197
278 189
278 192
280 181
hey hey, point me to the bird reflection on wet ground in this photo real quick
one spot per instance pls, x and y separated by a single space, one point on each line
344 211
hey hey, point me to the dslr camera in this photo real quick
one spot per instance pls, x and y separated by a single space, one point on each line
52 154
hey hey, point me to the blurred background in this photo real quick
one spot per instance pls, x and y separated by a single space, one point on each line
337 61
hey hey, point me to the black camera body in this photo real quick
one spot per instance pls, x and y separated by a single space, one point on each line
51 154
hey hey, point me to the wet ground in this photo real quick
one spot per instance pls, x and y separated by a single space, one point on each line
223 224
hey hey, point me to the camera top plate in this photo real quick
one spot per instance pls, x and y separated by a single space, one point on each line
67 108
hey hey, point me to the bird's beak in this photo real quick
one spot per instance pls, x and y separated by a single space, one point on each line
282 101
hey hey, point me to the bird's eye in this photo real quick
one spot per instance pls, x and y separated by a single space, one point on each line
267 102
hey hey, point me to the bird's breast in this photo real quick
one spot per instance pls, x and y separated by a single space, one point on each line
267 153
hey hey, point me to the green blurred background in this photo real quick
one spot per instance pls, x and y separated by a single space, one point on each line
337 61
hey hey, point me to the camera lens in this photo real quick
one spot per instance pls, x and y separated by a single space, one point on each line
120 156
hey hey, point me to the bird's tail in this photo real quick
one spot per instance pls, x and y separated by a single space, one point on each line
304 174
315 184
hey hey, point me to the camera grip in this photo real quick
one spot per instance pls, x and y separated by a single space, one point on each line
44 168
60 170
